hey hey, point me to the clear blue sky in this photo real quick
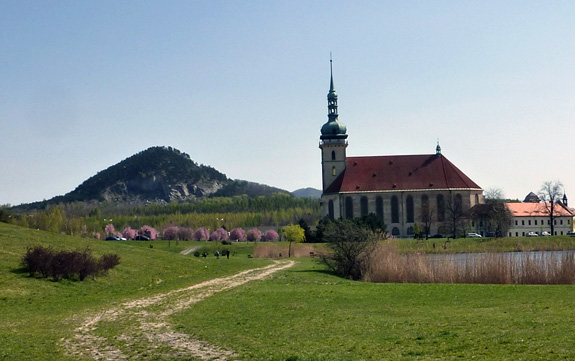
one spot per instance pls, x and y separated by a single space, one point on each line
242 85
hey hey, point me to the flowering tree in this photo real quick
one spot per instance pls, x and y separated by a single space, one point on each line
110 230
254 235
171 233
270 235
219 234
237 234
149 232
129 233
185 233
201 234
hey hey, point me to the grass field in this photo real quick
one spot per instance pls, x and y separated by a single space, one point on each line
302 313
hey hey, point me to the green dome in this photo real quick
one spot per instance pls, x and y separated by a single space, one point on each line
333 127
332 95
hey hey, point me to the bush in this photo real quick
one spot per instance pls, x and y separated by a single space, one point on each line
352 246
46 262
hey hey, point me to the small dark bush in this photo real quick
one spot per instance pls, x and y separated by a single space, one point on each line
225 243
46 262
108 261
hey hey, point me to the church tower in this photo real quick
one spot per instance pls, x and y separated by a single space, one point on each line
333 142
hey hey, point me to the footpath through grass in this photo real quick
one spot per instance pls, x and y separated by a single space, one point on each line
36 313
306 313
303 313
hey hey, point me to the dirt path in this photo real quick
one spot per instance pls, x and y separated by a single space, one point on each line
189 250
144 330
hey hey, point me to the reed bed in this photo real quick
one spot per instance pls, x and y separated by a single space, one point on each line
271 250
387 264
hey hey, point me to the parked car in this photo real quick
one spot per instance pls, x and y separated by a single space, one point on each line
473 235
545 234
571 233
142 238
437 236
532 234
111 238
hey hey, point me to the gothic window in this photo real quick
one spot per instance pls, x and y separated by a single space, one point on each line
363 204
333 155
395 232
477 199
379 207
330 209
425 208
348 208
440 208
394 210
410 231
333 172
409 209
458 203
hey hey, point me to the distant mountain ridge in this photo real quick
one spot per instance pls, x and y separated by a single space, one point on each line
307 193
158 174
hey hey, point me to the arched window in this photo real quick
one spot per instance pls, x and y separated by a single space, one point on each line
409 209
440 208
477 199
333 155
394 210
363 204
333 172
425 208
330 209
410 231
379 207
348 208
458 203
395 232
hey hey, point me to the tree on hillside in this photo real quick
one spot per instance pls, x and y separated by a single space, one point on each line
293 234
219 234
550 193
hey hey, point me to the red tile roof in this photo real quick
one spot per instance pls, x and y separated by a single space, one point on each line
400 172
530 209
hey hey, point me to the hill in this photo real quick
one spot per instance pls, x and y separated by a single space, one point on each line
157 174
307 193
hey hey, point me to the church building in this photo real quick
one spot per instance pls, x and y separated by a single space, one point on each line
407 192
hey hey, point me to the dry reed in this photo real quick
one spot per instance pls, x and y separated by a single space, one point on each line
271 250
388 265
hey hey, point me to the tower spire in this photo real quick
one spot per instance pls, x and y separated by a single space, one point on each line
331 87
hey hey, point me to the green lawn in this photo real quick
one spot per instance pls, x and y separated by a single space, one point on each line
35 313
309 314
303 313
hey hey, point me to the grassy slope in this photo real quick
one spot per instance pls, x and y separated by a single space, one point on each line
36 313
308 314
303 313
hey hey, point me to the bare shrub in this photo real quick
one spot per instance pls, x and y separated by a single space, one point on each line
388 265
48 263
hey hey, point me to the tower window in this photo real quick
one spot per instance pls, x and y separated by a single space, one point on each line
333 155
333 172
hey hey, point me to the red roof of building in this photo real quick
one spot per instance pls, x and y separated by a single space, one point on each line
530 209
400 172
